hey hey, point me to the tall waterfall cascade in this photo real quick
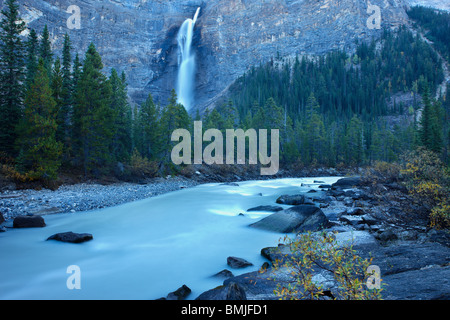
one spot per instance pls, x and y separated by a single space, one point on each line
186 63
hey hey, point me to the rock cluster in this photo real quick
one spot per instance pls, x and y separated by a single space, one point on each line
414 261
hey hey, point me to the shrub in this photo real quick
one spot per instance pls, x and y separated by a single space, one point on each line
311 253
428 182
383 172
11 173
141 166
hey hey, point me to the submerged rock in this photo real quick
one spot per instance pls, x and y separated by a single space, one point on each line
296 219
71 237
231 184
180 294
266 208
294 200
224 274
238 263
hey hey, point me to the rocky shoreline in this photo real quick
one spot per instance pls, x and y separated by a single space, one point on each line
92 195
414 260
84 197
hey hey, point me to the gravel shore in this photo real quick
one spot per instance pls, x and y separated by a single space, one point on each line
84 197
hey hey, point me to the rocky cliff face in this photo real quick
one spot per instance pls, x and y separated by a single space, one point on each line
139 36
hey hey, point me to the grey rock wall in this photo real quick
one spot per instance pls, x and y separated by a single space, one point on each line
139 36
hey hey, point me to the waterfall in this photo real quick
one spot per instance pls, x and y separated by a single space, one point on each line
186 63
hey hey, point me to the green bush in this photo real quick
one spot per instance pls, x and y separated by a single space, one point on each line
311 253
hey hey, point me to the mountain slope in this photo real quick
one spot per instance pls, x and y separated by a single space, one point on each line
139 36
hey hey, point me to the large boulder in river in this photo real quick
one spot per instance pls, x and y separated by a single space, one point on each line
71 237
348 183
180 294
300 218
29 222
231 291
266 208
238 263
294 200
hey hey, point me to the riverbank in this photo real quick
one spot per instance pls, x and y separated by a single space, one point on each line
73 196
413 259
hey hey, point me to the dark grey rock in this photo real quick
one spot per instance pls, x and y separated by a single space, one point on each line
180 294
231 184
355 211
266 208
406 256
348 183
296 219
71 237
230 291
29 222
2 219
237 263
224 274
351 220
369 220
294 200
387 235
256 285
275 253
432 283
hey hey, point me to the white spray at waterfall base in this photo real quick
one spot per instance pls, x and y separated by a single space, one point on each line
186 62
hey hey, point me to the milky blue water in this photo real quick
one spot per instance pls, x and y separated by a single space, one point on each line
145 249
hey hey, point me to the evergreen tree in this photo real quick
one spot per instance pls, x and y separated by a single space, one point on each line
355 141
173 117
76 72
31 57
426 121
39 150
12 66
315 130
149 130
66 106
93 117
45 50
57 87
437 127
122 113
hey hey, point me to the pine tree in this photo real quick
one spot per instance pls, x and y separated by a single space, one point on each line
11 74
149 130
174 116
45 50
437 127
31 57
93 117
39 150
122 113
57 87
355 141
426 121
67 92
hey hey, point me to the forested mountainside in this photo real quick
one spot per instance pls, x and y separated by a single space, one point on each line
337 109
140 37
